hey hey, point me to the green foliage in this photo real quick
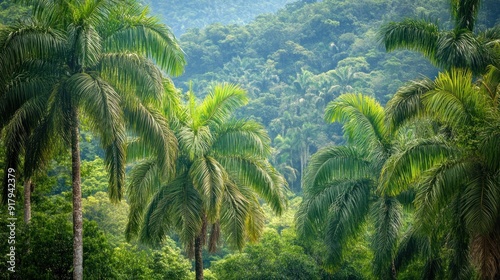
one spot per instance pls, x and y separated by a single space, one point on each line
274 257
131 262
94 177
44 249
10 11
111 217
169 263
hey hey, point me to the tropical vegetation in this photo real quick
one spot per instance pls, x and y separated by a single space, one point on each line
287 140
220 175
81 61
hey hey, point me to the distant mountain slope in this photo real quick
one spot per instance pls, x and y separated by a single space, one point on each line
181 15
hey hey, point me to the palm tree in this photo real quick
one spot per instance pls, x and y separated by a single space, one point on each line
459 47
460 193
90 60
221 172
338 181
341 182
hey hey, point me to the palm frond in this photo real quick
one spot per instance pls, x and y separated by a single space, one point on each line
101 102
454 100
336 162
362 118
461 49
171 106
147 36
26 80
481 208
94 12
115 160
86 47
406 104
256 218
438 187
23 121
176 205
346 216
28 40
234 215
195 143
490 146
260 176
418 35
42 141
464 13
56 13
132 73
314 210
387 216
486 253
143 183
458 240
243 138
152 128
403 168
219 104
209 177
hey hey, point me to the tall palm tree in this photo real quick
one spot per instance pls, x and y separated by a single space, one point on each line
341 182
459 47
221 172
90 60
461 192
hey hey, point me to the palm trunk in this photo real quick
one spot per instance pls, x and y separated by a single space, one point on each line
77 199
27 201
198 260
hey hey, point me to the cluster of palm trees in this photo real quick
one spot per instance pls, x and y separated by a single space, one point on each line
434 149
103 64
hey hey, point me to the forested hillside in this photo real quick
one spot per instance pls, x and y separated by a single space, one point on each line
281 139
183 15
296 61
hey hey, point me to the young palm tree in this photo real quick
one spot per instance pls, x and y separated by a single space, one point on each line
221 172
459 47
461 193
90 60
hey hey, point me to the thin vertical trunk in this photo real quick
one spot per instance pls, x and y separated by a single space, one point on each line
27 200
77 199
198 260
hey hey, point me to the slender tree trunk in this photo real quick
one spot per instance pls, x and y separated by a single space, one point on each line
27 200
198 260
77 199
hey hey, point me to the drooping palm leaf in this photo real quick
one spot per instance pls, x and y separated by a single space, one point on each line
388 220
406 104
145 35
418 35
362 118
